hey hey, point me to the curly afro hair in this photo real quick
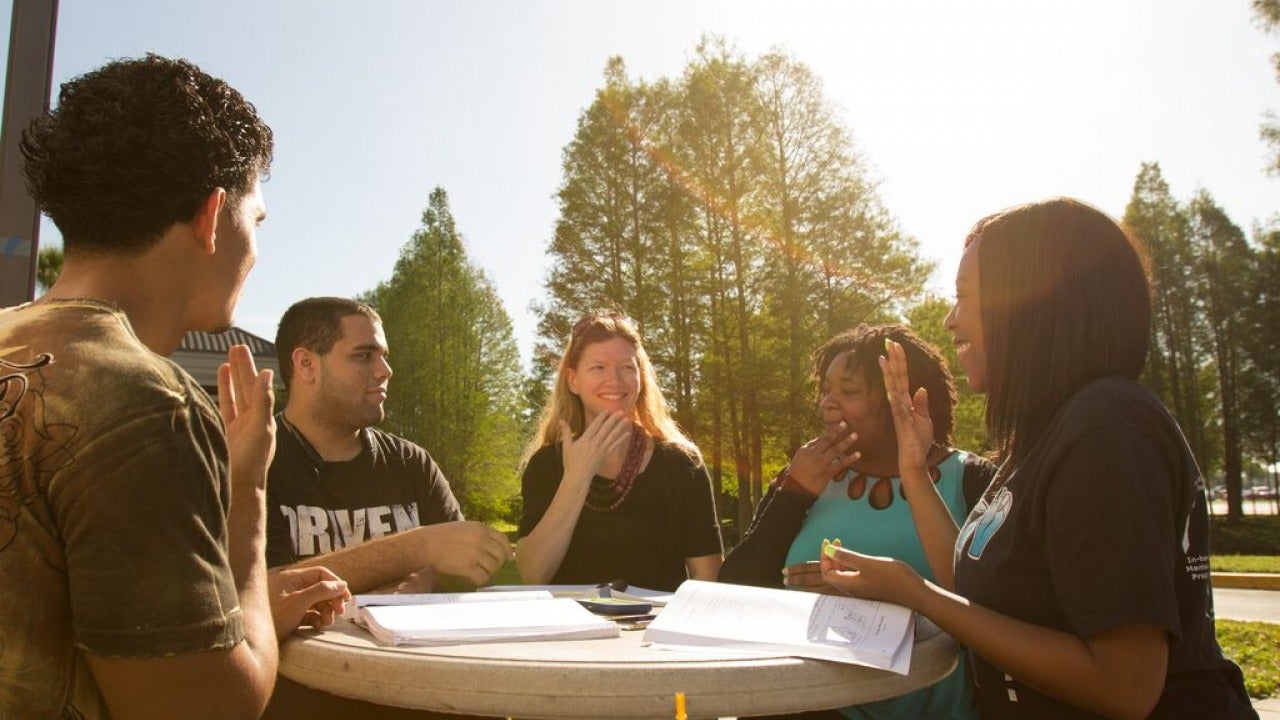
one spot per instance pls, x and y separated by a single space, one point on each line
925 367
135 146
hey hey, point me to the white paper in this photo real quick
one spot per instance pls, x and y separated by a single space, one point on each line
352 610
825 627
370 599
656 598
496 621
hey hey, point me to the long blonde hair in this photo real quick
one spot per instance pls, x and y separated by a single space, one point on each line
651 412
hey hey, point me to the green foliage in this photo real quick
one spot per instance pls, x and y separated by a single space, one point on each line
1249 535
1259 390
1255 647
1177 354
48 266
457 384
728 212
1215 328
1268 14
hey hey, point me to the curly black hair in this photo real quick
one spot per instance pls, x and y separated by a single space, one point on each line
925 368
135 146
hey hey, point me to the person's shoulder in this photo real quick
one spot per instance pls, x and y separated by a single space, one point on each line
1112 400
972 461
89 344
1116 407
673 450
674 454
393 445
543 458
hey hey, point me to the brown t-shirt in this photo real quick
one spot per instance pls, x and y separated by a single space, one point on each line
114 490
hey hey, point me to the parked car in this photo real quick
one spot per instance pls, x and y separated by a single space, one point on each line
1260 492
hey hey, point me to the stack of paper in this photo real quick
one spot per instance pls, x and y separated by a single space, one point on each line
656 598
467 618
803 624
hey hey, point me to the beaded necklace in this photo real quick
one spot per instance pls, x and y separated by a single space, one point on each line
619 487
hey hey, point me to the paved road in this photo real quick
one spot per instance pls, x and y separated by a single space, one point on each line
1236 604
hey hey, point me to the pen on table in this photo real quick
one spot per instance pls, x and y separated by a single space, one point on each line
680 713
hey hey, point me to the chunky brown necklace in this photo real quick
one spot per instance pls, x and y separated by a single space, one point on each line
602 489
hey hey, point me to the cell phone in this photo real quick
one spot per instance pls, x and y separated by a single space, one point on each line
615 606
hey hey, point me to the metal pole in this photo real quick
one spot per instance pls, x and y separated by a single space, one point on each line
26 94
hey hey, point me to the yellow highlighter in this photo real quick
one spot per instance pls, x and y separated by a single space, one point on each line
829 547
680 711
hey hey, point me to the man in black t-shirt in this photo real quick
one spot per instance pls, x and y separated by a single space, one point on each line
371 506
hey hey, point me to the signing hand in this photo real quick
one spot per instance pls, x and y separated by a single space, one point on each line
247 404
465 548
583 455
872 577
823 458
305 596
807 576
911 418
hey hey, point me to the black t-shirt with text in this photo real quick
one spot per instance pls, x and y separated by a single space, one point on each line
315 507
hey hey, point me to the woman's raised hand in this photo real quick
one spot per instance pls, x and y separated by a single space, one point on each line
911 418
823 458
583 455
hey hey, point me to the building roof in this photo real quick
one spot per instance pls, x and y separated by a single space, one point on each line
201 353
220 343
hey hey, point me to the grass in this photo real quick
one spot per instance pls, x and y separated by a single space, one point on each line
1255 647
1246 563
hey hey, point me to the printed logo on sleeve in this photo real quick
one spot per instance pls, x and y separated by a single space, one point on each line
978 532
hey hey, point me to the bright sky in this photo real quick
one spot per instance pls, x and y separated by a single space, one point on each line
962 108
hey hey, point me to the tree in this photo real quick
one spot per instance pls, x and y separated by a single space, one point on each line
1259 377
721 130
48 266
457 384
730 214
1176 360
1224 261
1268 14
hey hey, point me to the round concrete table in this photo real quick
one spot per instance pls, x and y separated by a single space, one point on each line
603 678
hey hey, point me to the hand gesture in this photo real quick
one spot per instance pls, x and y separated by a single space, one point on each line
465 548
305 596
911 419
807 576
823 458
583 455
247 404
871 577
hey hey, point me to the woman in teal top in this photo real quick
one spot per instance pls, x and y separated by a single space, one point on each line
844 484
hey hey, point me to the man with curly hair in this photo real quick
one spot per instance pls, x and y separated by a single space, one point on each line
132 517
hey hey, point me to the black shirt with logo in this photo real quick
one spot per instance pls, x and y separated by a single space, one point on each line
1103 523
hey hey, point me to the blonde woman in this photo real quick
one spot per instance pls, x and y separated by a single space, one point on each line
612 488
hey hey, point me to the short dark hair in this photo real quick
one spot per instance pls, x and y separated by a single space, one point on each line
1064 299
135 146
315 324
925 368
